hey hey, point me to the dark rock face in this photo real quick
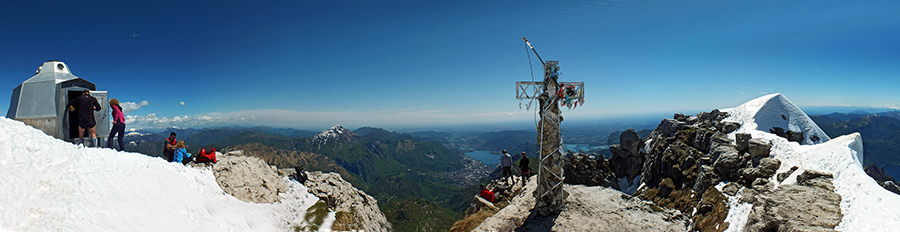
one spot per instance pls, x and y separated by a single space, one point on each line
627 159
581 169
793 136
809 205
886 181
784 175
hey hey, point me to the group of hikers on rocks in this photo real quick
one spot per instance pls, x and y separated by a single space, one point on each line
85 105
506 163
175 151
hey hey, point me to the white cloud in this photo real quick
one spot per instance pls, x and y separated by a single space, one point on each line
181 103
763 93
127 107
315 119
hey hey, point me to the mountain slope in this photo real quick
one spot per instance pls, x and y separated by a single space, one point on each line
881 135
50 185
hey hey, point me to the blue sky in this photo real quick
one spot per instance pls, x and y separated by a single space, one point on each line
313 64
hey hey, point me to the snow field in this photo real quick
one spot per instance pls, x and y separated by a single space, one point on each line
47 184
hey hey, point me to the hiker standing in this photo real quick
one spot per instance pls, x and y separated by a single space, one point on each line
169 147
86 105
523 165
118 125
506 163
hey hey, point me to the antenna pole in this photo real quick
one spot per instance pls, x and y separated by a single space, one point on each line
532 49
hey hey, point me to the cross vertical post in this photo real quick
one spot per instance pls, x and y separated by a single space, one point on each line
550 196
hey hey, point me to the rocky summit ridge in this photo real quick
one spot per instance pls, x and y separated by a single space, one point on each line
761 166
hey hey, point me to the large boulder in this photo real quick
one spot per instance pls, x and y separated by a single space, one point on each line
249 179
668 127
809 205
742 140
759 148
728 162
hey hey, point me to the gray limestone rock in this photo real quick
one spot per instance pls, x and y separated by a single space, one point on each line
810 205
784 175
249 179
728 162
340 195
728 127
759 148
742 140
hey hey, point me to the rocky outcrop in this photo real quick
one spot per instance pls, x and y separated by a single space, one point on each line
886 181
249 179
793 136
627 160
809 205
583 170
341 196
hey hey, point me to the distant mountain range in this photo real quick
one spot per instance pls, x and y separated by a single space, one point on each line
880 133
406 173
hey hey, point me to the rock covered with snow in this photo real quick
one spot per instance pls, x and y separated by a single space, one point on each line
775 111
47 184
337 132
865 205
341 196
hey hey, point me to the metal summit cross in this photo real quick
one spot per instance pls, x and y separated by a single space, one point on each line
549 195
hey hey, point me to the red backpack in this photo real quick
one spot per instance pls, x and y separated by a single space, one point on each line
207 157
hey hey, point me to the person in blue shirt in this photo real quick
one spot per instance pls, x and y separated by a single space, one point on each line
181 154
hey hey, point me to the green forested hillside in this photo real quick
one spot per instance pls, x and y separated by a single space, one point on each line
880 134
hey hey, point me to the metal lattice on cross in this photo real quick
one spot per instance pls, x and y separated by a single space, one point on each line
550 195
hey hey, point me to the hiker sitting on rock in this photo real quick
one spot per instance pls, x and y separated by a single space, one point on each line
181 154
487 194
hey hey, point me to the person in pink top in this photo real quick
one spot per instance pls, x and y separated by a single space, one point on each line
118 125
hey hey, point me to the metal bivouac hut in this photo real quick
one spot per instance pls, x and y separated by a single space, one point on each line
41 102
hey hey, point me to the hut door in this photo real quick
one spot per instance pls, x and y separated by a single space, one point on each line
72 123
102 116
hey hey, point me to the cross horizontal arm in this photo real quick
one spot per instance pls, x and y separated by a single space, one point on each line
532 89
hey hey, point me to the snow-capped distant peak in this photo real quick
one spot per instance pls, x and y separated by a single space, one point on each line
335 132
775 110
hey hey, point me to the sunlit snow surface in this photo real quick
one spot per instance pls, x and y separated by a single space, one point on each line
49 185
866 206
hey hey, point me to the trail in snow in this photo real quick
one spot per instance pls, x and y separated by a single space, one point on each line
49 185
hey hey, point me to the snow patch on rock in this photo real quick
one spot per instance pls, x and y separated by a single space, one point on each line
866 206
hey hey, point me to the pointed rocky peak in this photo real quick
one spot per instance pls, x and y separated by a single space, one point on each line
337 132
776 114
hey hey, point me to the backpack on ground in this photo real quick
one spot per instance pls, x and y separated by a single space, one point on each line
205 157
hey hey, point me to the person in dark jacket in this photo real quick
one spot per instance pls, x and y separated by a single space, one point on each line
85 106
169 147
118 125
523 165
